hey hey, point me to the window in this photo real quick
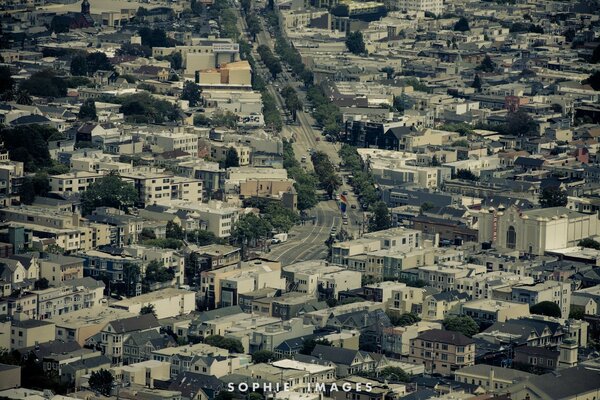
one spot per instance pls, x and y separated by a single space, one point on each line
511 237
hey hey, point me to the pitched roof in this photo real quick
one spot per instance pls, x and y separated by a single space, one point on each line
567 383
450 337
334 354
140 322
189 383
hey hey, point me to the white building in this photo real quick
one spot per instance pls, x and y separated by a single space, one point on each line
432 6
167 303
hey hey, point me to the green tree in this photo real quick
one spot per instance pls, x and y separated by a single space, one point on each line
79 65
148 309
476 83
461 323
23 97
101 381
109 191
389 72
589 243
41 284
32 186
466 174
45 83
143 108
426 207
262 356
7 83
520 123
174 231
593 80
157 273
233 345
553 197
355 43
596 55
547 308
231 158
405 319
487 65
87 111
394 374
224 118
462 25
98 61
381 218
250 229
577 314
191 92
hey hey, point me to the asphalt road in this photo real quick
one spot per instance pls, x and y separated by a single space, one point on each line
307 241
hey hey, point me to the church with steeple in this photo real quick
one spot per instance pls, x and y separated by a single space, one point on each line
78 20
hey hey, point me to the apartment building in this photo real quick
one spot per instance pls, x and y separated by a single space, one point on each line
446 275
442 352
433 6
72 295
73 182
222 287
490 311
218 152
214 216
181 358
30 332
203 54
165 257
318 278
156 186
232 75
553 291
169 302
113 335
395 341
115 267
161 142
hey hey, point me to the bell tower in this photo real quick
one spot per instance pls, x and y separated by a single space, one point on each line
85 7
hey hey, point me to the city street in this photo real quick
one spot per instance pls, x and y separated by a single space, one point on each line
306 241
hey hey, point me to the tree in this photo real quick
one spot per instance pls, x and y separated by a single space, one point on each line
553 197
309 345
466 174
389 72
520 123
249 229
233 345
394 374
593 80
109 191
7 83
157 273
32 186
148 309
79 65
547 308
426 207
231 158
589 243
45 83
101 382
41 284
476 83
98 61
174 231
405 319
23 97
355 43
143 108
224 118
262 356
462 323
577 314
191 93
87 111
381 218
596 55
462 25
487 65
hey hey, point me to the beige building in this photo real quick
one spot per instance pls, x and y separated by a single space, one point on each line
29 332
278 189
73 182
156 186
396 340
78 326
218 152
174 141
231 75
494 310
143 373
442 352
491 378
70 296
553 291
536 231
169 302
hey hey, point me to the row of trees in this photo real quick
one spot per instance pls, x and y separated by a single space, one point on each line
325 172
271 114
291 56
292 101
83 64
268 58
326 114
305 182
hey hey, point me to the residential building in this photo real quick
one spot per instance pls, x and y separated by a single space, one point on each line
442 352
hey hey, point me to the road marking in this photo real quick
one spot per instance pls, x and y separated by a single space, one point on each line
305 239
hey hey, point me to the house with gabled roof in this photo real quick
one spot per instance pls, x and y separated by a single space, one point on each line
347 361
115 333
